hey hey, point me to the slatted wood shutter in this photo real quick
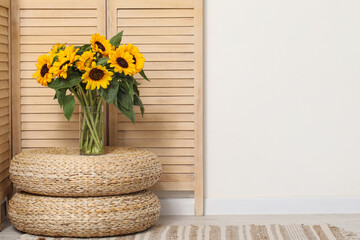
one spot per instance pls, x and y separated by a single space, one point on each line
169 34
38 119
5 102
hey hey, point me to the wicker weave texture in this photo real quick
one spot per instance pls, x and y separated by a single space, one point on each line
63 172
85 216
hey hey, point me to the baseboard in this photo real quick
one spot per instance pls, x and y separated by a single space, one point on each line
177 206
185 206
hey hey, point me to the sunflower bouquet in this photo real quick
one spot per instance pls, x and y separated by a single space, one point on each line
92 73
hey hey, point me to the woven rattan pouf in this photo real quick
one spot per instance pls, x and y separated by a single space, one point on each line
84 216
63 172
69 195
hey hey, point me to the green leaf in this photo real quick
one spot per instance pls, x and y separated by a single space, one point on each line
124 98
83 48
86 47
136 89
69 106
102 61
142 73
72 79
138 102
137 83
125 104
60 95
130 79
110 94
129 89
130 114
116 40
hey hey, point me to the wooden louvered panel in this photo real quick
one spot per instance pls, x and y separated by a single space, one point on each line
169 34
5 99
39 121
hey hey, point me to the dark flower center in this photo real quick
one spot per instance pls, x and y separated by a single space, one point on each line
134 59
96 74
122 62
100 46
62 65
44 70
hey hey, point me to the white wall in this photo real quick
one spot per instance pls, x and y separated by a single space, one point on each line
282 98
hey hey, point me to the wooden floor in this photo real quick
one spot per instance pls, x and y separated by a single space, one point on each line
350 222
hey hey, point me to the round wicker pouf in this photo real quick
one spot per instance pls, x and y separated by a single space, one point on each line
63 172
84 216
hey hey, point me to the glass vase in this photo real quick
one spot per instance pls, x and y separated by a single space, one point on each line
92 130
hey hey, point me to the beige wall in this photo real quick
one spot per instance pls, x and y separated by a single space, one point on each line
282 98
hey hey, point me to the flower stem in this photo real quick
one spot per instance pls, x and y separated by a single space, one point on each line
90 127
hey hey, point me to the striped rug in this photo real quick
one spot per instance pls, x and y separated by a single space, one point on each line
242 232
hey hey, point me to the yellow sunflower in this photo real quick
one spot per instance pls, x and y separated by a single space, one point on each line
85 60
100 44
66 58
96 76
122 61
43 65
57 47
138 58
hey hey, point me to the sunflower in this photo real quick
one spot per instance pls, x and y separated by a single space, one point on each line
100 44
85 60
138 58
43 65
66 58
122 61
96 76
57 47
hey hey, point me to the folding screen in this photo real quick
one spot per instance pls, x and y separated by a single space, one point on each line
5 93
169 33
37 118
